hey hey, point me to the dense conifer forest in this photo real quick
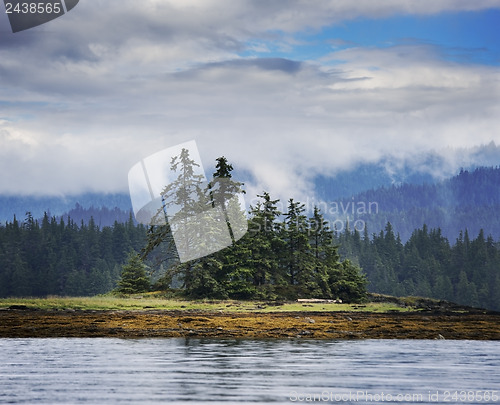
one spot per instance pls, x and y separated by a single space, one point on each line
466 271
51 257
289 251
276 259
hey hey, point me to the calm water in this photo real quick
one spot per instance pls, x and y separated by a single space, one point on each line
123 371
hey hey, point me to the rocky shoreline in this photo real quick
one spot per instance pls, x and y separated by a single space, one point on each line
22 322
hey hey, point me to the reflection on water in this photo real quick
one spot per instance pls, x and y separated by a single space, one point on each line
119 371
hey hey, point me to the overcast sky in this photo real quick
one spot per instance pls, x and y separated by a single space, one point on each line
284 89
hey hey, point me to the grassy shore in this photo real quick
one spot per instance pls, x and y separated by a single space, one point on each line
152 302
151 316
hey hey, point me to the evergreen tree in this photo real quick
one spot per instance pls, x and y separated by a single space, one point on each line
238 270
324 252
214 275
347 283
443 288
133 278
205 282
297 258
264 243
224 193
182 200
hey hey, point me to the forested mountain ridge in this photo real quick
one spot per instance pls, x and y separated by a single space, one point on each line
387 171
478 187
470 200
102 217
104 208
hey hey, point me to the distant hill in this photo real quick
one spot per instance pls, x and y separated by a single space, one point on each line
104 208
470 200
393 170
347 183
102 216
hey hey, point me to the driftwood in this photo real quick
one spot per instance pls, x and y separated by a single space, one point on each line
318 300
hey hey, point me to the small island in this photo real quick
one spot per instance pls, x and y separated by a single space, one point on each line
143 316
288 275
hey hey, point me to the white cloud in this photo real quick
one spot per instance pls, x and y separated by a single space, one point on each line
91 94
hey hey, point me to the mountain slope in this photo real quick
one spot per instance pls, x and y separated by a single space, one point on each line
73 205
470 200
394 170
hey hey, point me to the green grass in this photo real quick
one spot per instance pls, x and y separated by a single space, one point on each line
152 302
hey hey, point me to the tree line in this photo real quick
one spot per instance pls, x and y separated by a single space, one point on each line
285 256
466 272
59 257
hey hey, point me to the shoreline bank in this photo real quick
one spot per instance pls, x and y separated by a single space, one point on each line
37 323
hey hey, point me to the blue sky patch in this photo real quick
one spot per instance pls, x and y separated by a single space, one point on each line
471 37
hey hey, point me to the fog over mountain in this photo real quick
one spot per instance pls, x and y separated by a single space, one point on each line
396 170
408 193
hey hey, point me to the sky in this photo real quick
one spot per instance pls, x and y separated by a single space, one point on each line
286 90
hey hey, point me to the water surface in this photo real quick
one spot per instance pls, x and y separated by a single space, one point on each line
178 370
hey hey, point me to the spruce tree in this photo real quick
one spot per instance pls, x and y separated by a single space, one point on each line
324 252
263 239
351 285
297 257
182 199
223 193
133 278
